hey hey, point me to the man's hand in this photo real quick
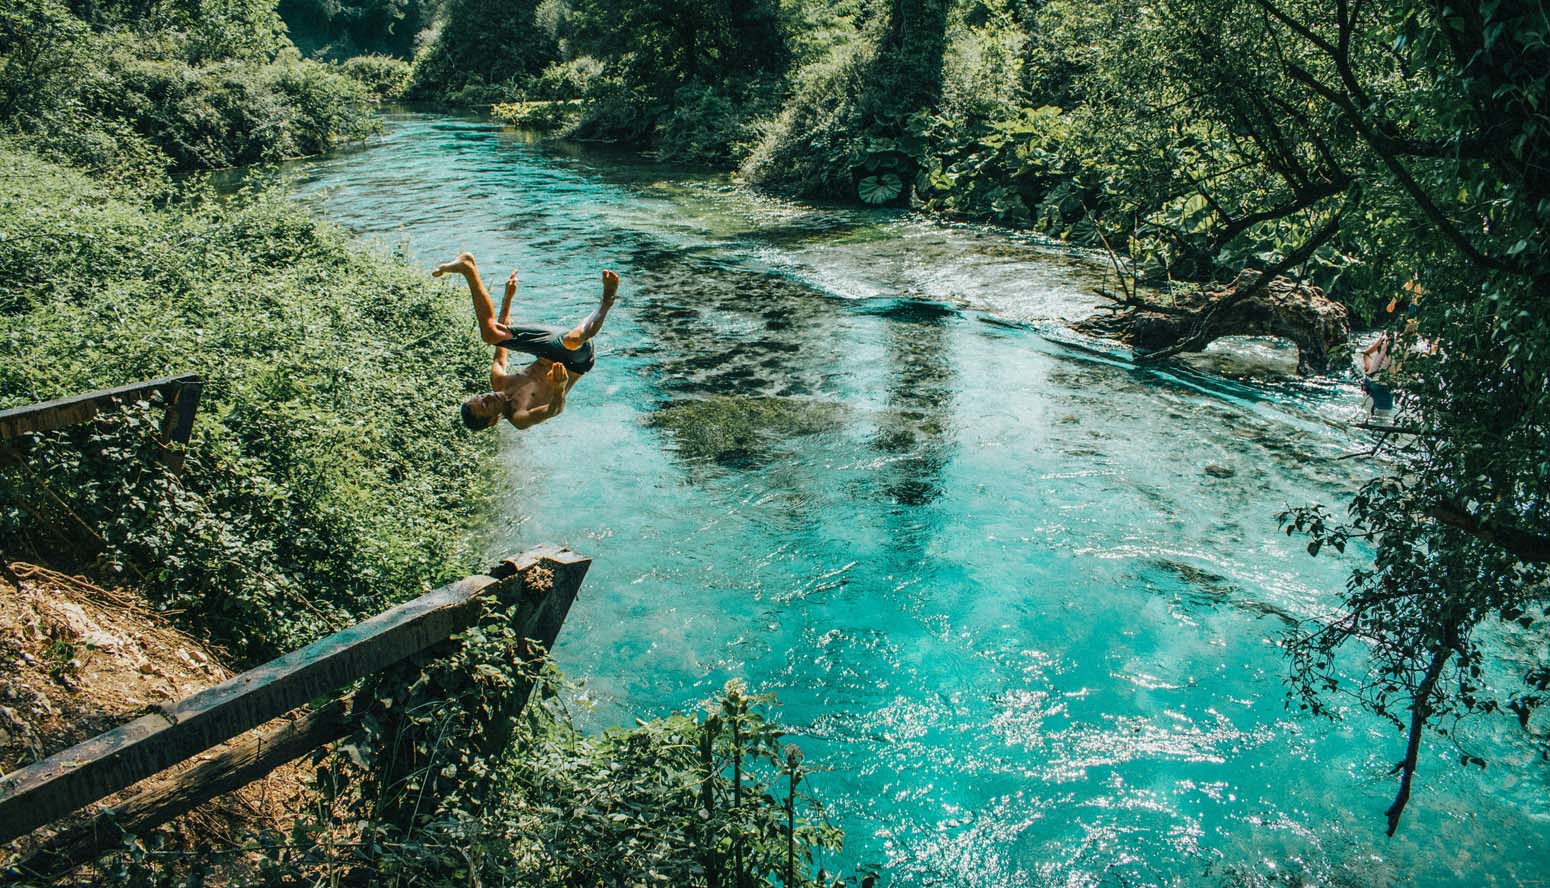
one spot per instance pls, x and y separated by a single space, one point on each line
511 292
557 374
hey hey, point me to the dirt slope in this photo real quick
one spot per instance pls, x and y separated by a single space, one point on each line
76 660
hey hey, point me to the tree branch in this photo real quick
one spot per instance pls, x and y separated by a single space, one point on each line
1420 711
1407 181
1531 548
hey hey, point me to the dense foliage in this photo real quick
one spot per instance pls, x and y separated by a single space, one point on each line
342 29
328 474
687 78
384 76
113 86
479 46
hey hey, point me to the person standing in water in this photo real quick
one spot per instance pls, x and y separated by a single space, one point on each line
1377 358
536 392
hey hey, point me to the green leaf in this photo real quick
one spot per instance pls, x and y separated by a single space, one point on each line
879 189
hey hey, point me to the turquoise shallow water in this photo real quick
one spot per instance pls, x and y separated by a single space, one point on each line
836 453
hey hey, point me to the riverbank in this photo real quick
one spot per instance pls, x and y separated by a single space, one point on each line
328 476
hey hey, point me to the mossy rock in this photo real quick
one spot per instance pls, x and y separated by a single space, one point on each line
730 429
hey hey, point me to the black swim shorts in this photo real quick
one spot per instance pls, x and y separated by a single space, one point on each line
543 341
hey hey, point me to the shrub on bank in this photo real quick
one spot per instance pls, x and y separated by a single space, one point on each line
538 114
328 475
383 76
114 96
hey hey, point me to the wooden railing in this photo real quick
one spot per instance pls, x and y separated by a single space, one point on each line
41 793
181 394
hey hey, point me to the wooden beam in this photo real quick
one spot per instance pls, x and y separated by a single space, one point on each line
540 614
62 412
88 771
542 602
166 796
178 425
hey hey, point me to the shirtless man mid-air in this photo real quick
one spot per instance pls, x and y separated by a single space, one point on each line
536 392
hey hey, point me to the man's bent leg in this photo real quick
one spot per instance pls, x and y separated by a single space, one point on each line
484 310
592 323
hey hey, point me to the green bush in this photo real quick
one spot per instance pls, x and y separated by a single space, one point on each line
712 125
383 76
573 79
234 113
116 98
328 476
558 114
817 142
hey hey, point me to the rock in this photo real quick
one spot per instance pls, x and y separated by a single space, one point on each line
1217 471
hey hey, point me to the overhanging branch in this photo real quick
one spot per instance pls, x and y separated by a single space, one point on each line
1523 545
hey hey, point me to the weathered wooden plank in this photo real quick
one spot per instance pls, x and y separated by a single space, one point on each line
61 412
178 426
164 797
541 613
88 771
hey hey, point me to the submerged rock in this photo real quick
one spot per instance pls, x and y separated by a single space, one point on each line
735 430
1219 471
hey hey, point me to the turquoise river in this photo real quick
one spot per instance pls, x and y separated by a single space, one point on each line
1022 599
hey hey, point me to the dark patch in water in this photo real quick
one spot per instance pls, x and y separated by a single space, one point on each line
910 311
1205 590
741 432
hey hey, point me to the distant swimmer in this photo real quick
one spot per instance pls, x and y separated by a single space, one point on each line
536 392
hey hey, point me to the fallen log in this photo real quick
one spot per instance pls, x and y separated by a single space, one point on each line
1318 326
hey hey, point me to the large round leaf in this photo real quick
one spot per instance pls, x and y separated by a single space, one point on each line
879 189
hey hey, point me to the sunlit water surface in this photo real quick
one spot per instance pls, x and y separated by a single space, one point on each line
989 575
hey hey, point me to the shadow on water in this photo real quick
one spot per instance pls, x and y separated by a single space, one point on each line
915 430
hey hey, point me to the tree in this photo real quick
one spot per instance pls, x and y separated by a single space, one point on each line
1389 151
481 45
665 44
345 28
849 131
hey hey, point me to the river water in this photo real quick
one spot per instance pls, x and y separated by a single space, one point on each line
1021 599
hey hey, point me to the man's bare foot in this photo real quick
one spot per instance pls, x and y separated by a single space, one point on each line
511 284
610 288
463 264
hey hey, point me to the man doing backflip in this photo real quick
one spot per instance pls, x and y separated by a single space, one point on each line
536 392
